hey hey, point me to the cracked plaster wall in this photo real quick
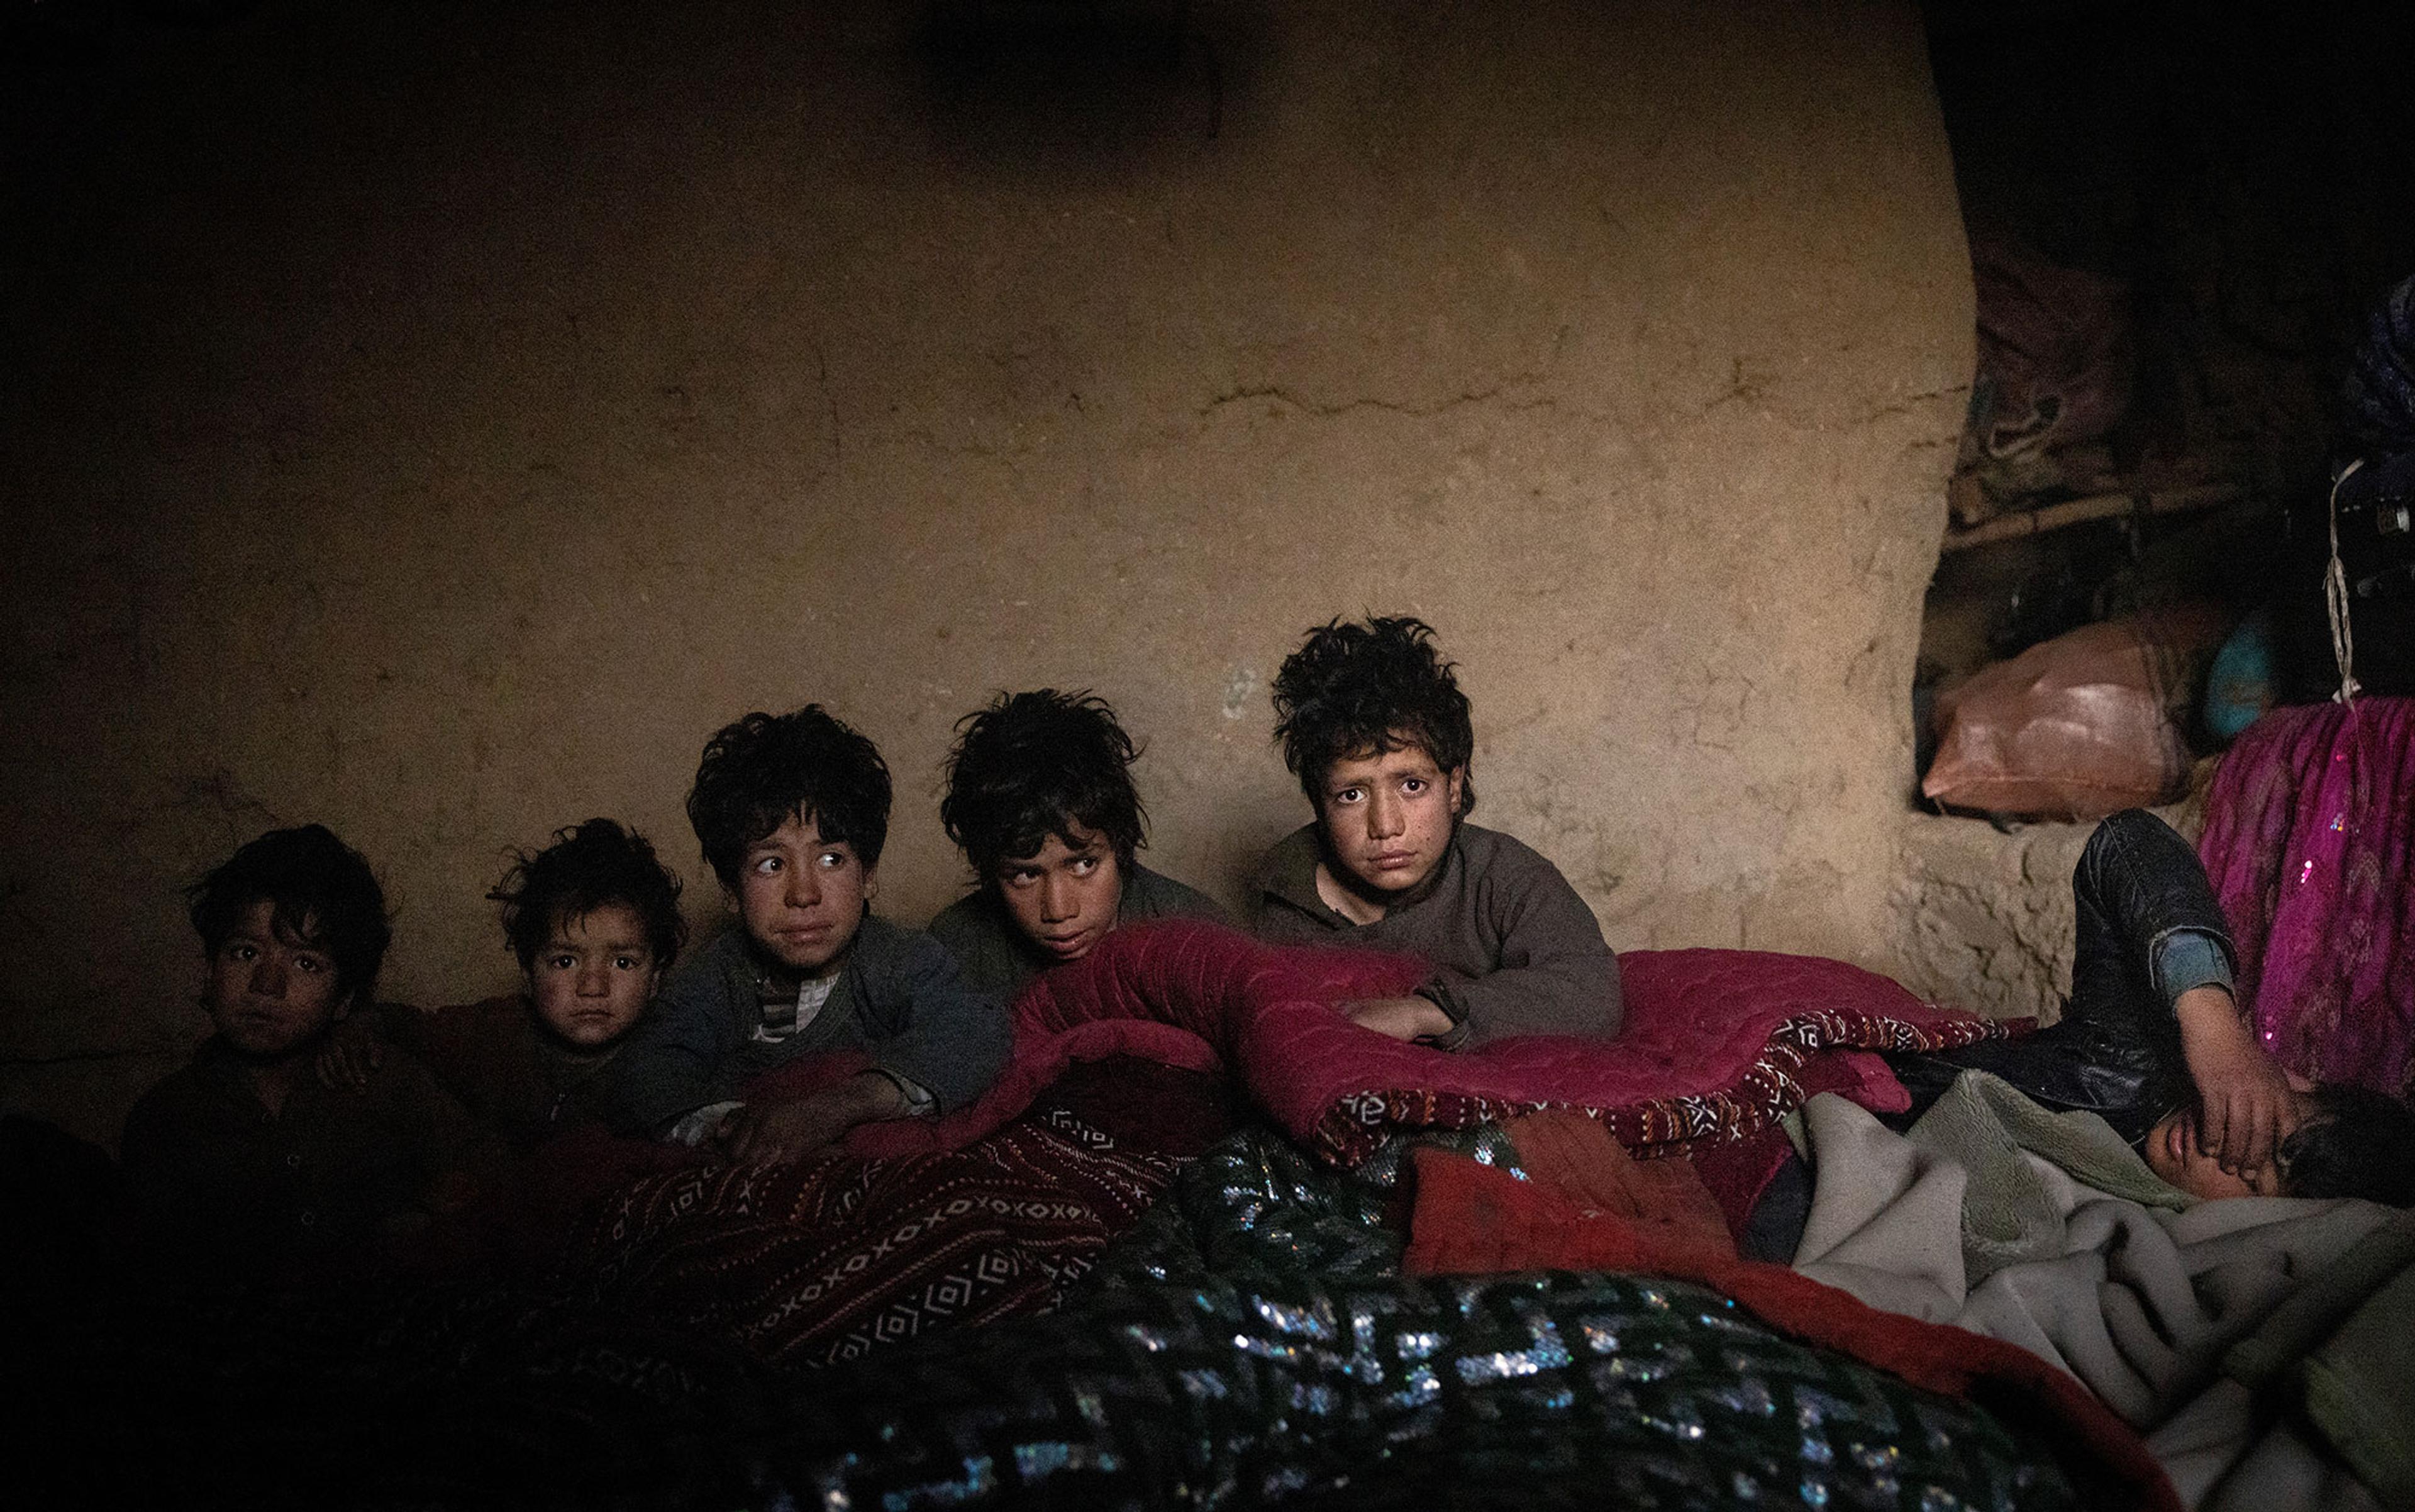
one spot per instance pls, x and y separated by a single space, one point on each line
439 420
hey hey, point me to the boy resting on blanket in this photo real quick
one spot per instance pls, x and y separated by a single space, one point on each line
594 921
1374 725
1041 800
244 1169
791 812
2153 1042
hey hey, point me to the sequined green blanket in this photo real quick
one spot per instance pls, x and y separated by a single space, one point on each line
1251 1343
1254 1343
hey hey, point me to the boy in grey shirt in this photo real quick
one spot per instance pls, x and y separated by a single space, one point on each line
1375 726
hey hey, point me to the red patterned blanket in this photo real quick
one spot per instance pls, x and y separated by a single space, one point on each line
1712 1046
819 1262
995 1210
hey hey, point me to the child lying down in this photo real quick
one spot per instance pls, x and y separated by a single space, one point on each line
2152 1042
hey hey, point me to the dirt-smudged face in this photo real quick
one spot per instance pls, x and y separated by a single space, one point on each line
272 992
1387 816
801 897
595 975
1064 897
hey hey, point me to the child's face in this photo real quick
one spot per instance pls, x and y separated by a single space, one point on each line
2173 1152
801 897
1064 897
271 992
1388 815
595 975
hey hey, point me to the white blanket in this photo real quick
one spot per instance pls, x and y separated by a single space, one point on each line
2138 1303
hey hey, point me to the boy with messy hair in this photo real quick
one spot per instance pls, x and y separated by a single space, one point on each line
1374 724
1040 801
792 811
593 919
245 1170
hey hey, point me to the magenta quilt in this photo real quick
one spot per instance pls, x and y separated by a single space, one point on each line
1710 1052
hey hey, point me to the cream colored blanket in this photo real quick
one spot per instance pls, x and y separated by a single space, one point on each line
2138 1301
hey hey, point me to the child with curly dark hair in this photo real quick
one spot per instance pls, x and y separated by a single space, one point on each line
1374 724
1040 801
245 1169
593 919
792 811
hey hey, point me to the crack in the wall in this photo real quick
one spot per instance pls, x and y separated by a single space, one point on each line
1511 384
1743 388
830 405
1905 405
1283 394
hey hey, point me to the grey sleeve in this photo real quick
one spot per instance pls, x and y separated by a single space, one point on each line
955 1037
1555 975
679 1056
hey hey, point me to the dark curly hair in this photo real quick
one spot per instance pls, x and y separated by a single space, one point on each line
589 866
1033 765
320 891
764 768
2355 1143
1378 687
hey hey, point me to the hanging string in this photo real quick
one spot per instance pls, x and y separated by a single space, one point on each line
2336 600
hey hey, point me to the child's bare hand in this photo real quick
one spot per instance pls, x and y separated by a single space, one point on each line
351 1056
790 1130
2244 1104
1402 1018
763 1132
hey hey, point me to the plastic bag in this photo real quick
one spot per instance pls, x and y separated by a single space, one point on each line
2080 726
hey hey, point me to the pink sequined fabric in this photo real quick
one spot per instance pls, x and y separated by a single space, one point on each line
2310 844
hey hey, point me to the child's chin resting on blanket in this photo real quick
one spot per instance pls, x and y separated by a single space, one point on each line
2350 1142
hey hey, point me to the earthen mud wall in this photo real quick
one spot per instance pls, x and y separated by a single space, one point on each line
434 423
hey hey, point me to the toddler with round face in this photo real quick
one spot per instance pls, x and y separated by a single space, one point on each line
594 920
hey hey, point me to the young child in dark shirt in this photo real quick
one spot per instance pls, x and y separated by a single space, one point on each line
594 922
1374 725
791 812
1041 800
244 1168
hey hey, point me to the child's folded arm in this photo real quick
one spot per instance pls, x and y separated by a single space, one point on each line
956 1037
1556 976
